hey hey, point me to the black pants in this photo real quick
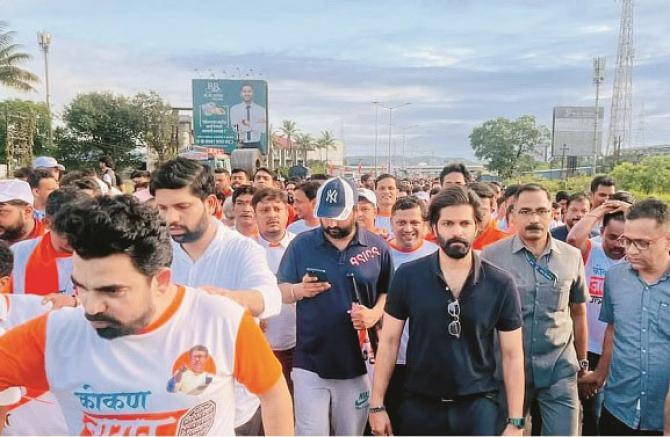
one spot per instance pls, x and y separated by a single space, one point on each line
394 394
610 425
472 415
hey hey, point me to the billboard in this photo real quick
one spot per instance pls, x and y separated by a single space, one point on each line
573 127
230 113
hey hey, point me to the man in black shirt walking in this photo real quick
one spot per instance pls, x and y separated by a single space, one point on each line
455 302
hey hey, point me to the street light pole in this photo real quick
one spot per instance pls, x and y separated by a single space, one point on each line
390 109
598 77
44 40
376 103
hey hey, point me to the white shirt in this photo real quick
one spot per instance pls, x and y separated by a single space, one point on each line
384 222
235 262
400 257
280 330
22 251
595 270
40 413
251 132
300 226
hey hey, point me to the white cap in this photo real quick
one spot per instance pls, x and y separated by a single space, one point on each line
368 195
15 189
46 162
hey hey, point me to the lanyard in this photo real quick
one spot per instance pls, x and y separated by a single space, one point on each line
546 273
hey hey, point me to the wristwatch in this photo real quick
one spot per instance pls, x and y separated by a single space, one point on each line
378 409
584 365
518 423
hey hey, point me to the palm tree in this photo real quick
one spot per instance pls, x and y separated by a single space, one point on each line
289 129
11 75
305 143
326 141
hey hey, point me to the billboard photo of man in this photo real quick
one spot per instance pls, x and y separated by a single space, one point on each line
249 119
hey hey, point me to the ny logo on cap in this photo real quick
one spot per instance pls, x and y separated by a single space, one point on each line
331 196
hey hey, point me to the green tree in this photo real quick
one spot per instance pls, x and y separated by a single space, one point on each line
289 128
651 175
100 123
326 142
158 123
506 144
26 108
305 143
11 74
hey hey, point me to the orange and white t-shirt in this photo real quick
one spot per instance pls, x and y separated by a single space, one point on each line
131 385
51 271
32 412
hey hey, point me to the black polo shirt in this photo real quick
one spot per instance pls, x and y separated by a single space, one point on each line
439 364
326 341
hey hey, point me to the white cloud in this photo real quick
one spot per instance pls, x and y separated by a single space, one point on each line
595 28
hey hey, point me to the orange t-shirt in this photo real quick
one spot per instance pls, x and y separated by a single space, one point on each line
489 236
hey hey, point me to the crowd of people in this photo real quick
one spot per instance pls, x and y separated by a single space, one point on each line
192 301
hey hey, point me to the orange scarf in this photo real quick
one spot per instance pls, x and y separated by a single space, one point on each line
42 268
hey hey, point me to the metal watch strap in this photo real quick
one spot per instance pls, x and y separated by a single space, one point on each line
519 423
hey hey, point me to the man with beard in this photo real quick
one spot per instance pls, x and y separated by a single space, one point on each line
210 256
222 190
599 257
550 277
408 219
578 206
271 212
331 388
239 177
304 201
17 221
121 268
460 304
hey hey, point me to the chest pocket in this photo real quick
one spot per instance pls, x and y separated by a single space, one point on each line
663 319
555 298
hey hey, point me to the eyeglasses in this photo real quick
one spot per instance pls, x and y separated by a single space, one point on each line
639 244
526 213
454 310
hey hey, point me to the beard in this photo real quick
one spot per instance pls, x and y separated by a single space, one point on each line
454 247
116 328
192 235
13 232
340 232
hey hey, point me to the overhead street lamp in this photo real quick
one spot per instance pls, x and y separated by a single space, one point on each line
390 109
44 41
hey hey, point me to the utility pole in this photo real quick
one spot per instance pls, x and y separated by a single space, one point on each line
564 149
390 109
376 103
598 78
44 40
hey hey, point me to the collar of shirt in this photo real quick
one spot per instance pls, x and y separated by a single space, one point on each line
475 270
221 235
360 238
284 242
517 246
664 277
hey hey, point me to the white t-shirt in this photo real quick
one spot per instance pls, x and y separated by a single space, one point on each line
300 226
384 222
22 251
234 262
280 330
401 256
38 413
125 386
595 269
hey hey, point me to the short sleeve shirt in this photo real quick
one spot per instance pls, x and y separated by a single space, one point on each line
547 325
439 364
326 342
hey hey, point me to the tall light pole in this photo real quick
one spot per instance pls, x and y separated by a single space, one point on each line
376 103
598 78
44 40
390 109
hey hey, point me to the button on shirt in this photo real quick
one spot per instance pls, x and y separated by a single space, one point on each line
439 364
640 369
326 342
547 326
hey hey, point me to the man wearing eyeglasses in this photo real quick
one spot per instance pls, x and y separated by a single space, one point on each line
636 307
550 277
455 302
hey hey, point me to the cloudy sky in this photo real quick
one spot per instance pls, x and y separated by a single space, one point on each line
459 62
